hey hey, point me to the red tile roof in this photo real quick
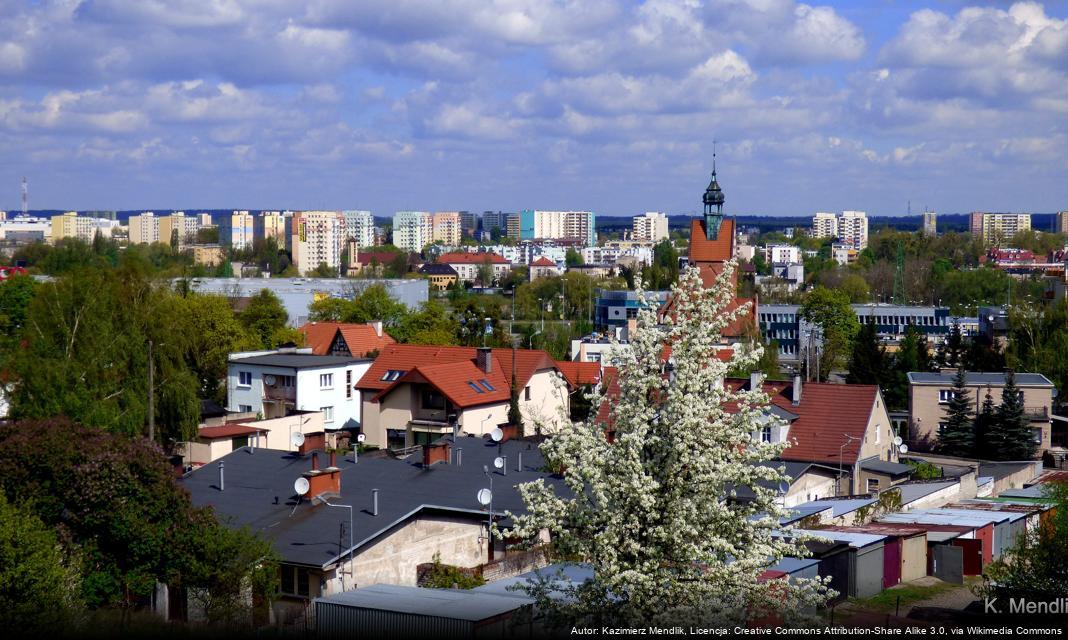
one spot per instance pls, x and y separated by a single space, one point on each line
361 339
704 250
228 430
580 373
460 382
406 357
542 261
463 257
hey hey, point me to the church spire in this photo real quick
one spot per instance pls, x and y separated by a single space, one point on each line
713 200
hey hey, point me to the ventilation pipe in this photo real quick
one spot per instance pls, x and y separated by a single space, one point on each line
797 389
222 477
374 502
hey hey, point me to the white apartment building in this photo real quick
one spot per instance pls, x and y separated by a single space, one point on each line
782 254
204 220
558 225
824 225
930 224
853 229
276 383
1060 222
360 226
318 238
144 228
271 224
992 227
412 230
447 228
239 231
71 225
650 227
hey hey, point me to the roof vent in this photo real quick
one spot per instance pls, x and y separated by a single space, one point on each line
797 389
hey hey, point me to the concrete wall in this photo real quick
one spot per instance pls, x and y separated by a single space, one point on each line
546 411
482 420
810 486
280 430
925 411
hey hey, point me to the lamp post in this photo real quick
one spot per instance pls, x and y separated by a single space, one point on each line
351 545
841 451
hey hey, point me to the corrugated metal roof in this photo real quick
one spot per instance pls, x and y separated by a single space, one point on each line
856 540
839 507
456 604
568 574
911 492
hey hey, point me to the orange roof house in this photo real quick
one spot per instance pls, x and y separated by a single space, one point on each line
463 257
346 338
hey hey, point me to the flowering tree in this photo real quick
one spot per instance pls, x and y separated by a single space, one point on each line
651 511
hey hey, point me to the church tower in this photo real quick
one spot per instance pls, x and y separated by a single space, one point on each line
713 205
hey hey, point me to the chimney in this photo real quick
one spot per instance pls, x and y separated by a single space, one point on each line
323 481
797 389
484 359
756 378
315 461
582 352
377 325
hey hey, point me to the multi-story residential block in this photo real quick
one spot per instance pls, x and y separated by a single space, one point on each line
204 220
238 230
177 228
930 224
844 253
20 229
208 255
853 229
469 224
558 225
317 239
446 228
270 224
996 227
360 226
469 266
930 393
1060 222
513 226
494 221
412 230
650 227
84 228
277 383
782 254
824 225
144 228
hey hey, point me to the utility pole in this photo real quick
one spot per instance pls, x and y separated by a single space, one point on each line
151 396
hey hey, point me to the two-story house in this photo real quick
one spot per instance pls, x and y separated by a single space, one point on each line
276 383
930 393
413 394
469 265
346 338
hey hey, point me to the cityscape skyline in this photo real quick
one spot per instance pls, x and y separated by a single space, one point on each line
603 106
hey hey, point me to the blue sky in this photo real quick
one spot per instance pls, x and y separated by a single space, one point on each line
506 104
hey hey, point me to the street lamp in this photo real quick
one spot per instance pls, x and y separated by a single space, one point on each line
352 571
841 450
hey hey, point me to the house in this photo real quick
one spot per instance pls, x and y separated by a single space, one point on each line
469 266
275 383
543 268
346 338
413 394
215 440
441 276
930 393
368 521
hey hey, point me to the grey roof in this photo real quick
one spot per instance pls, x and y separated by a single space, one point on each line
802 511
839 507
793 470
876 465
976 379
855 540
568 574
1000 470
1034 491
913 491
259 493
454 604
299 360
793 565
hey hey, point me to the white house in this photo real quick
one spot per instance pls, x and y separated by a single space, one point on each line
275 383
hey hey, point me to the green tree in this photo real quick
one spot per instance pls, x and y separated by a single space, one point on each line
1038 341
867 360
831 310
367 305
215 332
432 324
957 436
1010 435
984 423
572 258
39 589
265 319
323 271
15 295
951 353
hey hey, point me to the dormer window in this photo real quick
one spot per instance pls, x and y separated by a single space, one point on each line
765 434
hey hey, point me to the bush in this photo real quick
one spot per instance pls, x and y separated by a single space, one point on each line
444 576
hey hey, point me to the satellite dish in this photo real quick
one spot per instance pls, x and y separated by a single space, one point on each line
498 462
485 496
268 380
301 486
903 448
297 439
497 434
897 441
360 438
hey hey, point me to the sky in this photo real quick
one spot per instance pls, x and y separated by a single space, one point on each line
603 105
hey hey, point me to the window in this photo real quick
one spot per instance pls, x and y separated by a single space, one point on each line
294 581
486 385
348 383
392 375
526 393
244 378
238 442
1037 434
328 413
944 396
474 386
287 382
433 400
244 408
326 380
873 484
765 434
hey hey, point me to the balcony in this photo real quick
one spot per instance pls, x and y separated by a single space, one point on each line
1037 414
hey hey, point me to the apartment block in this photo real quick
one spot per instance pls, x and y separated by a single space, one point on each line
650 227
144 228
270 224
178 228
447 228
853 229
204 220
994 227
512 225
558 225
930 224
360 226
317 239
782 254
469 223
824 225
412 230
71 225
1060 222
237 230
